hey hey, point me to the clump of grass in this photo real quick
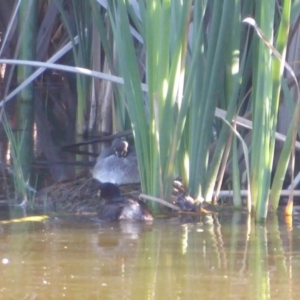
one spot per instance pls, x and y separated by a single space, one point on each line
23 191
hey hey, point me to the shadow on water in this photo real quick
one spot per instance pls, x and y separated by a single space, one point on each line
224 257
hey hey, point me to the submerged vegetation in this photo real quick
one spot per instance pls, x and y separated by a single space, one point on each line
203 85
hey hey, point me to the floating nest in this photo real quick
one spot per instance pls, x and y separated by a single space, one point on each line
80 195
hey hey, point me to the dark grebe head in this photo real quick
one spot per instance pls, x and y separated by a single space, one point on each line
120 147
109 191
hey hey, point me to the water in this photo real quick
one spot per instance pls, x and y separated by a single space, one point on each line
220 257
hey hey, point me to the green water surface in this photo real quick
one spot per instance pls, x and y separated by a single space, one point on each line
225 256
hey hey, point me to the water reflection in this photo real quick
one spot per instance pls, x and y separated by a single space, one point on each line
217 257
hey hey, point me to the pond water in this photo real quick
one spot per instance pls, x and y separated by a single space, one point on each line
224 256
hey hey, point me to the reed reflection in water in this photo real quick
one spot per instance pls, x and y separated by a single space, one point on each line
213 257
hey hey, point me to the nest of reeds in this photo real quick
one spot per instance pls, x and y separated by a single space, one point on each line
80 195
